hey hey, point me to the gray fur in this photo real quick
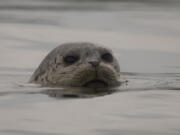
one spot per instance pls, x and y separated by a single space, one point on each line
54 72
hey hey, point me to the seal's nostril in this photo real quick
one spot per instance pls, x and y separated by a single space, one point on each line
94 63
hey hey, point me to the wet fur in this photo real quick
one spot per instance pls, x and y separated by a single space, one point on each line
53 72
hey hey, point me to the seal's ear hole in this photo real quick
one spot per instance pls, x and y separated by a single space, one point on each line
107 57
71 59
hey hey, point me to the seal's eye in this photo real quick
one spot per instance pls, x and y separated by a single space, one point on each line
107 57
70 59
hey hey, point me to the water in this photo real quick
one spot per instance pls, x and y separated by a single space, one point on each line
145 38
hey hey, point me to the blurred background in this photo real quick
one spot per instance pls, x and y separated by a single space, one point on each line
145 37
144 34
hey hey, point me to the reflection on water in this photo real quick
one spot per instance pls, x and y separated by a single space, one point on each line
145 38
76 92
143 105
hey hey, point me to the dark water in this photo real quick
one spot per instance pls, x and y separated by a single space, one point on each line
145 37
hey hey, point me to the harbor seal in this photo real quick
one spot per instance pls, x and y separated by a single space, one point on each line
79 64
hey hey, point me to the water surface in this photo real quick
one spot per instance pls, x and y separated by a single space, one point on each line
145 38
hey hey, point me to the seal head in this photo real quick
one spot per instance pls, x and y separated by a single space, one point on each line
78 65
